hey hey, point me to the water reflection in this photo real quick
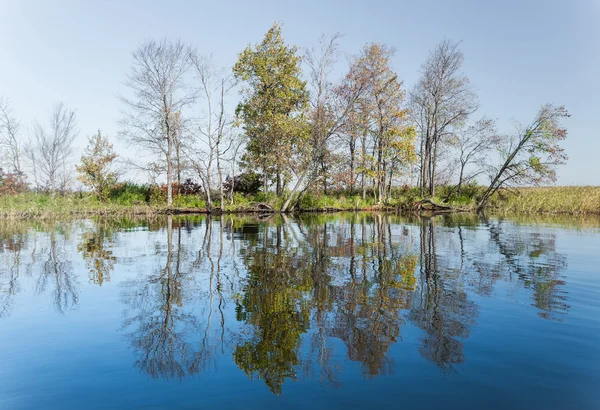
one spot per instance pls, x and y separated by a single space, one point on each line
156 320
440 305
276 295
41 252
95 249
532 259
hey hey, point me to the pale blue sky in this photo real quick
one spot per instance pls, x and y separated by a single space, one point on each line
518 54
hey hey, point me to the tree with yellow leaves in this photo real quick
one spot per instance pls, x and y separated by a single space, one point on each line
382 120
95 170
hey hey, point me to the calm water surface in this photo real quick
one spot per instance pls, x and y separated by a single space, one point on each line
344 311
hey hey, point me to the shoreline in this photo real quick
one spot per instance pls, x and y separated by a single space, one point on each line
42 214
575 200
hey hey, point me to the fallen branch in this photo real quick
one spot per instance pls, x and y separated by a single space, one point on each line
262 207
419 206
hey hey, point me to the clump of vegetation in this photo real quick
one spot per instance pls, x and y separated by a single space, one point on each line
189 187
246 183
128 193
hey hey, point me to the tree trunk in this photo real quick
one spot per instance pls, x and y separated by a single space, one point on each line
363 164
278 184
352 159
460 178
265 180
220 174
298 183
324 172
169 171
432 176
208 197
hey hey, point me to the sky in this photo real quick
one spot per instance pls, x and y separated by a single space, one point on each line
518 54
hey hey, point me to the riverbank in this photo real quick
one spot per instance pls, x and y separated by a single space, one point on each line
546 200
27 206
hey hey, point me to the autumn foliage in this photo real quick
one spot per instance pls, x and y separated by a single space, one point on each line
95 170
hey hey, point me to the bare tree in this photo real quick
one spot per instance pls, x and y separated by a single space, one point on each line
152 118
320 62
9 136
441 100
473 143
531 155
238 143
214 133
49 150
330 108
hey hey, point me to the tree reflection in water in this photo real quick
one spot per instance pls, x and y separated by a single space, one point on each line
57 272
277 295
440 305
155 316
39 252
171 338
531 259
95 248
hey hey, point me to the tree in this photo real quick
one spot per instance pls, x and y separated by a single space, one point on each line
95 169
238 144
323 116
473 144
9 137
377 120
152 120
442 99
50 150
392 142
329 108
532 155
355 126
272 110
215 128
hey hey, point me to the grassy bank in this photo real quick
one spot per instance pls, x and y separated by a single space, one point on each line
134 200
42 206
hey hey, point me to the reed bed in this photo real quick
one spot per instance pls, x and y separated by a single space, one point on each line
574 200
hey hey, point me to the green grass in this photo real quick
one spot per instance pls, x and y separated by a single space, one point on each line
129 199
29 205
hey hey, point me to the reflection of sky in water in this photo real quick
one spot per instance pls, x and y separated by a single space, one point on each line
346 310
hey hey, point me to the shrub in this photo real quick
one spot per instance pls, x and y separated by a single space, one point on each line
157 195
11 183
246 183
189 187
129 194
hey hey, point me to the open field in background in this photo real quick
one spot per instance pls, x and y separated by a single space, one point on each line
141 200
